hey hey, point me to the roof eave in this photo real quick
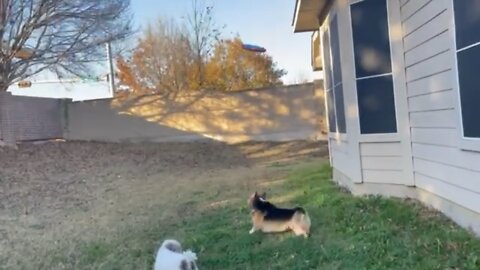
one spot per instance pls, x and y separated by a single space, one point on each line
310 14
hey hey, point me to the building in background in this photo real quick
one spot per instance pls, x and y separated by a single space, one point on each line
47 84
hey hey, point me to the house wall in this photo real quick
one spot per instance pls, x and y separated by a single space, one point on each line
344 151
440 165
372 158
426 160
382 162
270 114
340 155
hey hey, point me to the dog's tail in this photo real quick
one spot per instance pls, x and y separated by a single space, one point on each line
303 219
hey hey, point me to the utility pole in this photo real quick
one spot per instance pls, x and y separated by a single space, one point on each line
111 73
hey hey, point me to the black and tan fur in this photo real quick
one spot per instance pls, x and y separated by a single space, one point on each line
268 218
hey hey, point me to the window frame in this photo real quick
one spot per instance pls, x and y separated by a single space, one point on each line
465 143
375 137
326 29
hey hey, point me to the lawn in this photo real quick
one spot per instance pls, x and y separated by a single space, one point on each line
347 233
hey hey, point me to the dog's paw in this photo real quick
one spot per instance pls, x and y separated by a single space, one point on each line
191 256
251 231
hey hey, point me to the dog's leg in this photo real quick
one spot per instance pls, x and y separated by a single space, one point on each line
252 230
299 231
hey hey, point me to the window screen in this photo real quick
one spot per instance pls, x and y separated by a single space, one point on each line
332 121
331 111
467 25
340 108
337 76
370 34
336 63
326 58
375 102
373 67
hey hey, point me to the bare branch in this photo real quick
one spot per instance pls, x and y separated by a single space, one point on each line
203 34
65 36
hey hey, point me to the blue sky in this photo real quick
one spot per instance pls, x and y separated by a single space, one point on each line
264 23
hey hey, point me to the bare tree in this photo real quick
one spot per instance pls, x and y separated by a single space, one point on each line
203 35
64 36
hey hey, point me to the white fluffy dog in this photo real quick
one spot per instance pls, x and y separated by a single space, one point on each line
171 257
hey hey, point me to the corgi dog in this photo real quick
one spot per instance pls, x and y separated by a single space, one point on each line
170 256
268 218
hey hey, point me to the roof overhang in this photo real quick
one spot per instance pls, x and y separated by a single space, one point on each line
309 14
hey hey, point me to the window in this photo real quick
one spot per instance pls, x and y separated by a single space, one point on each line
374 95
332 121
373 67
467 36
337 77
333 78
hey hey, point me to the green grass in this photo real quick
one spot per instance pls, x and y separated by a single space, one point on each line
347 233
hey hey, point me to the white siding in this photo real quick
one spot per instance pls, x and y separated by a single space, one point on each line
453 193
403 2
440 166
385 163
435 136
434 83
440 100
380 149
429 67
340 155
427 50
382 162
445 118
427 31
409 8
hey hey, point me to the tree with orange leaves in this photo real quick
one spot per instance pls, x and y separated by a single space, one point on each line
161 63
233 68
173 57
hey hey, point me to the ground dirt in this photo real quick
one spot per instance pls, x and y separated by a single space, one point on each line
57 192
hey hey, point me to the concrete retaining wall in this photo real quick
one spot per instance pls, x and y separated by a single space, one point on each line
273 114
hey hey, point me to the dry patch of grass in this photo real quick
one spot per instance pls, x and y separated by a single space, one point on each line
57 199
